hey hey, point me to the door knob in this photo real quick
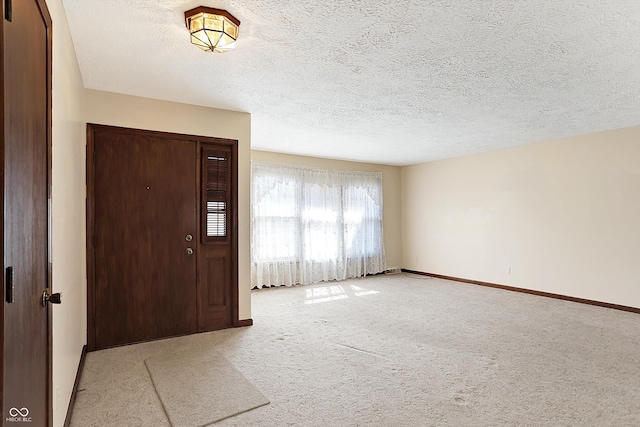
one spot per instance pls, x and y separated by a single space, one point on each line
189 251
47 297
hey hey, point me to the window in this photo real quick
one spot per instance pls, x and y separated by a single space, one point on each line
311 225
216 219
216 180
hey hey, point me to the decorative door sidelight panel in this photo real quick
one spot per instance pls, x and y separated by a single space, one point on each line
217 248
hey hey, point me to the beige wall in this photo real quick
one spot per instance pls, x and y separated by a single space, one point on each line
563 215
68 214
142 113
391 193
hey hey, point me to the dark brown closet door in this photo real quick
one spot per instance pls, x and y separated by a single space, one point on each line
145 202
26 37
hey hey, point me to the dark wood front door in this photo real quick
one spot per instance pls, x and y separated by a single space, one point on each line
145 207
153 272
26 356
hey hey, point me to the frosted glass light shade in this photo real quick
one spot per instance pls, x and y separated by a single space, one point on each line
212 30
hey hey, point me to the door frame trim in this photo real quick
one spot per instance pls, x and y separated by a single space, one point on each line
92 129
46 16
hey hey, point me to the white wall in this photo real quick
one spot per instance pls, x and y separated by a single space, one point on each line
142 113
563 215
68 214
390 188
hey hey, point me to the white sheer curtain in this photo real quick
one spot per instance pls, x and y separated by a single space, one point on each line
311 225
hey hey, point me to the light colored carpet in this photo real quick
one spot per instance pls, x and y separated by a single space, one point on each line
198 388
400 350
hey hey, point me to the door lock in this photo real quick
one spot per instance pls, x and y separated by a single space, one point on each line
47 297
188 237
189 251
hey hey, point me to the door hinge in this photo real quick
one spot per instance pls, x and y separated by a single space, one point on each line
10 289
8 10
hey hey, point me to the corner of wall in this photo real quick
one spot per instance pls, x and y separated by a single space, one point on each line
68 213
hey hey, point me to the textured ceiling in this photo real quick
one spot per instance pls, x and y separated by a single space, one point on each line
383 81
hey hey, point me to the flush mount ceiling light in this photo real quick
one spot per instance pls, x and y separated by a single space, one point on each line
212 30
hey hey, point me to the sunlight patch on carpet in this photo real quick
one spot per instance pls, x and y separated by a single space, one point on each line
335 292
